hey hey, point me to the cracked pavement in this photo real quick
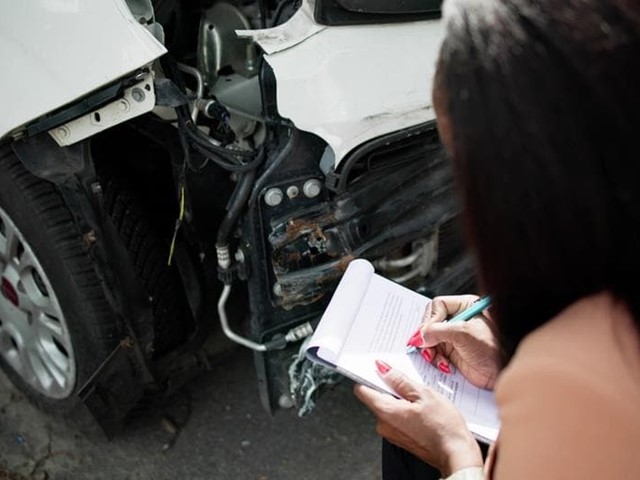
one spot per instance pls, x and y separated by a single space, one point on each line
214 428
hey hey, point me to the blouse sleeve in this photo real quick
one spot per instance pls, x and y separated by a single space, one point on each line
471 473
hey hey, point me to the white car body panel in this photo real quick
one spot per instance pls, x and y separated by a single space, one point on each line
56 51
350 84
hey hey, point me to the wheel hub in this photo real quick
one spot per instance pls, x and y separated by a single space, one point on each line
34 338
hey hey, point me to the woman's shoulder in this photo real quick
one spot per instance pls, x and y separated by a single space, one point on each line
592 342
569 398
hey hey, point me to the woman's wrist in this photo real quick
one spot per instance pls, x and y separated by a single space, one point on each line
464 454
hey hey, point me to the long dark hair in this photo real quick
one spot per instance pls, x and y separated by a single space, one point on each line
543 100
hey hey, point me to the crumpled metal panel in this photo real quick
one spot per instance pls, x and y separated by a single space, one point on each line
311 250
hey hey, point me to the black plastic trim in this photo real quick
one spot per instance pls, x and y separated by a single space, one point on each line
425 134
333 13
390 6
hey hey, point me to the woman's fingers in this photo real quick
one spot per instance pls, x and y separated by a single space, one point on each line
381 404
443 307
436 333
428 354
373 399
401 384
398 381
467 345
437 311
442 363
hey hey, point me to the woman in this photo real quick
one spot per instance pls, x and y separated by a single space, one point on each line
538 106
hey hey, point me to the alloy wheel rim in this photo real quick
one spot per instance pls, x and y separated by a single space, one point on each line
34 338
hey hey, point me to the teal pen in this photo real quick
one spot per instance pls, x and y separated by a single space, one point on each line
476 308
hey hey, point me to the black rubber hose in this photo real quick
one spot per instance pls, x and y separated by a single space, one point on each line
263 14
237 168
235 204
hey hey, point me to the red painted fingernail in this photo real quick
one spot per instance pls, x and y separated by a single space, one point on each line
415 340
444 367
426 355
382 366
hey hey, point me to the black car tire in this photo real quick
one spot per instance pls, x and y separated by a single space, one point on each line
38 212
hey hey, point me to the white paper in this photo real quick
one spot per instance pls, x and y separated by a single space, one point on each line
338 318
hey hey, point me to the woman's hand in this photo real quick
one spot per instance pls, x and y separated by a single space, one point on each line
471 346
423 422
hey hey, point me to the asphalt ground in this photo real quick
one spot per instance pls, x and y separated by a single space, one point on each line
214 428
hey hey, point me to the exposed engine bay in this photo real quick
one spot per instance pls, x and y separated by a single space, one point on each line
390 199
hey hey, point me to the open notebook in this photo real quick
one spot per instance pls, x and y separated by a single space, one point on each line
370 318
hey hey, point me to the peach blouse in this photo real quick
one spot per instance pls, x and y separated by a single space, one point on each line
569 401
